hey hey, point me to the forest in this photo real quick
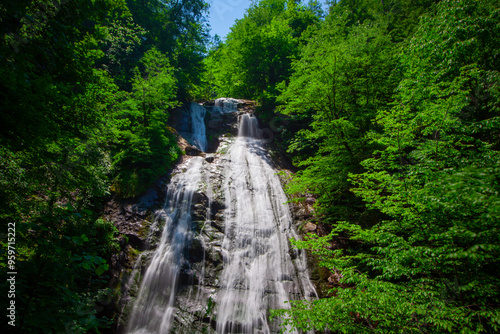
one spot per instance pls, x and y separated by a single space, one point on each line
389 111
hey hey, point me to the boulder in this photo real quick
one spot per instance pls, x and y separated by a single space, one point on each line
310 228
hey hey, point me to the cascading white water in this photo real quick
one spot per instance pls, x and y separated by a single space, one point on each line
198 126
259 270
249 128
152 311
225 105
259 273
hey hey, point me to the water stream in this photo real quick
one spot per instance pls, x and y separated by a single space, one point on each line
155 305
258 272
225 105
198 126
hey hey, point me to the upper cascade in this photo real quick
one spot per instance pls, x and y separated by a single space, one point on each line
226 105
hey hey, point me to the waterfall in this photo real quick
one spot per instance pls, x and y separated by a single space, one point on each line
225 105
152 311
250 266
198 126
259 273
249 127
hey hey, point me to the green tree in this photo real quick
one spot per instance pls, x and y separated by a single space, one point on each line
178 29
122 47
54 161
429 262
68 131
339 81
259 49
146 146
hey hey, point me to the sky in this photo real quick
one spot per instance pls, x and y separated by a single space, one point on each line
223 14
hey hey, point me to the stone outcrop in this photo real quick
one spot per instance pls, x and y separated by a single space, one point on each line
139 230
135 219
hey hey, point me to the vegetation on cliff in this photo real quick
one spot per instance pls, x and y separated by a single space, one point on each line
86 89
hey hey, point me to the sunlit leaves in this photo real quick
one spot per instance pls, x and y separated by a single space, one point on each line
64 122
338 81
146 148
428 261
257 54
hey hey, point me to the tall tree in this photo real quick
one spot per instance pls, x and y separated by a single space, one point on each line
146 148
258 51
54 164
178 29
343 75
80 113
429 261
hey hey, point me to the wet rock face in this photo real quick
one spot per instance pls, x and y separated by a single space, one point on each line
129 214
199 275
200 278
133 216
222 119
137 222
201 270
220 124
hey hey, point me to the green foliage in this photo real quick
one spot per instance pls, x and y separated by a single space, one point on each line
122 50
54 162
339 81
178 29
259 49
85 98
146 148
422 249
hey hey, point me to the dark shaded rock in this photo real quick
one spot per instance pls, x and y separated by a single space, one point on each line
192 151
219 125
196 251
214 124
217 208
136 242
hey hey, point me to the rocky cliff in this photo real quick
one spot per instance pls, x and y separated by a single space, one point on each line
140 228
